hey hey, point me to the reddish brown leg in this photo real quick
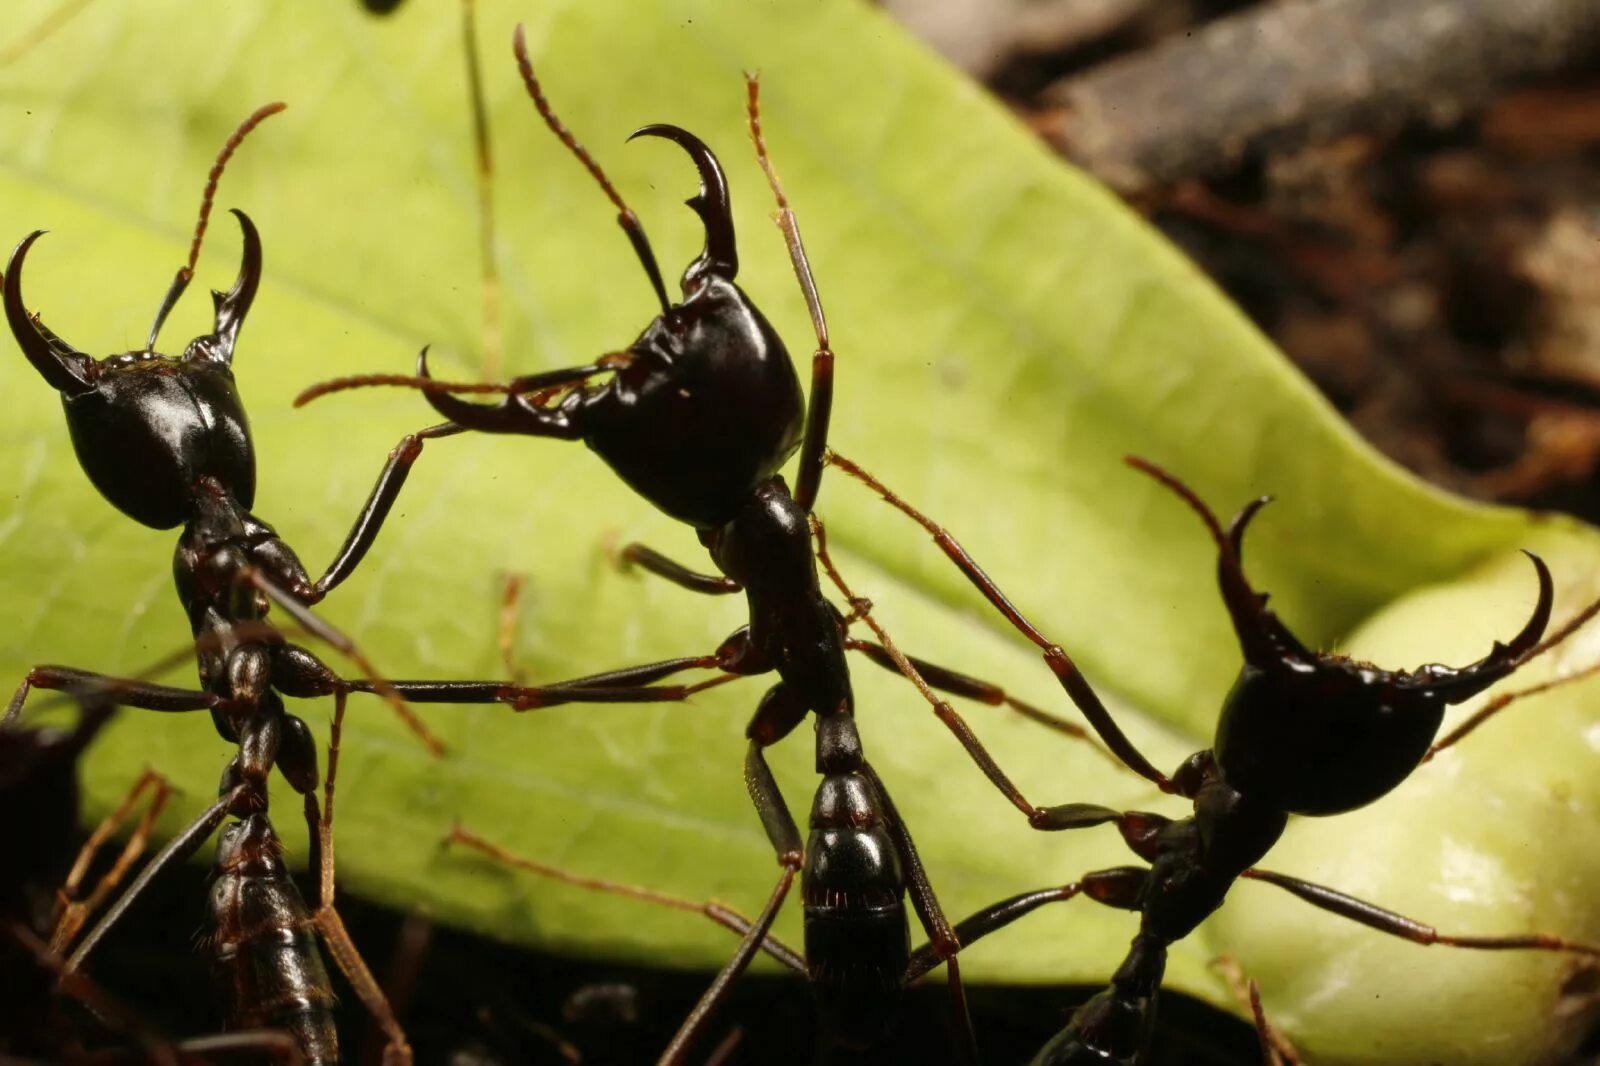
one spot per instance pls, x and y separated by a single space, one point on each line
397 1049
1276 1050
723 1052
820 408
652 561
1118 887
72 912
510 612
788 846
625 216
973 688
1060 663
177 850
1387 921
343 644
717 911
1046 818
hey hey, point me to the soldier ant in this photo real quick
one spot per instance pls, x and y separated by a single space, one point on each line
167 442
699 415
1301 732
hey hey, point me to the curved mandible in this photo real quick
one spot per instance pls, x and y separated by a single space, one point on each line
1467 681
233 305
66 368
711 203
1264 639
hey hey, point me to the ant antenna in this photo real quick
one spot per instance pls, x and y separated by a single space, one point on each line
186 272
625 217
1262 636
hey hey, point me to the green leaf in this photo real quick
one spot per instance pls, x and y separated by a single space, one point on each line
1006 332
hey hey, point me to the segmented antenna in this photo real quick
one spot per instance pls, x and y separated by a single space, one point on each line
186 273
625 217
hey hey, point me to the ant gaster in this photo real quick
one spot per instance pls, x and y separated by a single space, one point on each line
1300 733
166 440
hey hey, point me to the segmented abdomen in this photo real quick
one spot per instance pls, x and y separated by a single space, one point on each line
858 942
264 953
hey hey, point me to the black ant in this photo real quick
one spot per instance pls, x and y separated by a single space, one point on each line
167 442
701 412
1301 732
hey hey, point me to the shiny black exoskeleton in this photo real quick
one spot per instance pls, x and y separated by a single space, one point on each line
166 440
699 414
1300 733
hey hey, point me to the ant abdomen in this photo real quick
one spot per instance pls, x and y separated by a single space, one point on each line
263 944
858 940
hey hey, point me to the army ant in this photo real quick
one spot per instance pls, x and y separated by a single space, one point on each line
1301 732
166 440
699 415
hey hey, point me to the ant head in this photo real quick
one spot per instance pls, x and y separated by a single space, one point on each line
705 404
710 404
1315 734
147 427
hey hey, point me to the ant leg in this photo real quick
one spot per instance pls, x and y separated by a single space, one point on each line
652 561
1395 924
506 638
104 1006
397 1051
958 684
73 912
717 911
1061 664
364 531
813 449
122 691
178 849
245 1042
488 269
326 632
942 940
723 1052
789 848
1118 887
1276 1050
625 217
1067 816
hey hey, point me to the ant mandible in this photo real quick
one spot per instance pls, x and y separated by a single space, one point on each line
1301 732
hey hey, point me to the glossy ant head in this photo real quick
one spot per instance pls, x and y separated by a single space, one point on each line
702 407
1313 733
147 427
705 404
